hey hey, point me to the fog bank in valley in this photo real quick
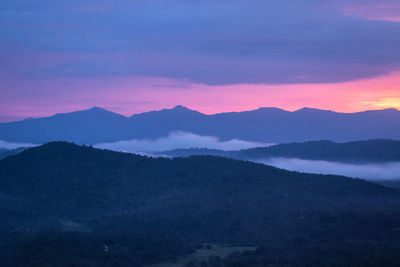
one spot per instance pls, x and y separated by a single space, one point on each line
10 145
178 140
372 172
369 171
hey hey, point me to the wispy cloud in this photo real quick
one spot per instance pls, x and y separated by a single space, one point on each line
276 42
372 172
231 54
178 140
10 145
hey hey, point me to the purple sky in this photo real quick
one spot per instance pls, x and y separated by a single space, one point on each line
135 55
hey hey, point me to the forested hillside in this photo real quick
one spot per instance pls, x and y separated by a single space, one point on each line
380 150
103 195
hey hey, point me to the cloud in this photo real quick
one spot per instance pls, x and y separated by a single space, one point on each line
372 172
210 42
177 140
388 10
9 145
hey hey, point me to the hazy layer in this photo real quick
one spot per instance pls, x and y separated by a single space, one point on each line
10 145
372 172
178 140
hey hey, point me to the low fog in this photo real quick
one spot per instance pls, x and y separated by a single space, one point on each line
10 145
178 140
372 172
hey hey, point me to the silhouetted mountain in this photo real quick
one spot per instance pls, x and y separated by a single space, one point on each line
65 180
271 125
190 200
88 126
155 124
380 150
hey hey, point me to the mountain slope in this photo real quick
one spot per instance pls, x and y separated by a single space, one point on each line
62 180
87 126
269 125
9 152
273 125
155 124
146 210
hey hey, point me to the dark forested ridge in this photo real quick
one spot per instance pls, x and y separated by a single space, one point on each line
9 152
267 125
166 207
3 151
380 150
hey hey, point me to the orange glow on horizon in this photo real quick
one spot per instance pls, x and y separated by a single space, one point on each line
385 103
374 93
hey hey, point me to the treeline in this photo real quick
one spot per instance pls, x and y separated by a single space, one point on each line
380 150
56 248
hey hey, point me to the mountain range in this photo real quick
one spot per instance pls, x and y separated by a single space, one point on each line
267 125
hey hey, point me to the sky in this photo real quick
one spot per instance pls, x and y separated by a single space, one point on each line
131 56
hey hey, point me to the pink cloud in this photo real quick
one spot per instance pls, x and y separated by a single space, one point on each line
387 11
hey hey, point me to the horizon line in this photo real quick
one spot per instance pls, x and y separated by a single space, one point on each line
190 109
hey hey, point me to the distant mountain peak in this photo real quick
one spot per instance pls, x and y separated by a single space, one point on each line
92 113
391 110
95 108
307 109
270 108
180 107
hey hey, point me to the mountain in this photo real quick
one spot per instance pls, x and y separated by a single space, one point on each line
87 126
370 151
77 182
131 203
268 125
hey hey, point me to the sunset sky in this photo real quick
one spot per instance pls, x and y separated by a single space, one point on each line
131 56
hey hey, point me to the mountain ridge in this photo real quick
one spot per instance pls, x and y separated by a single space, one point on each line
78 205
367 151
268 125
182 107
64 180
